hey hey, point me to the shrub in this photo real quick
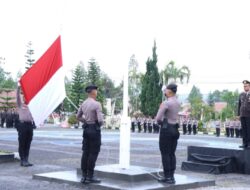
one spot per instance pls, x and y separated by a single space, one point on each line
72 120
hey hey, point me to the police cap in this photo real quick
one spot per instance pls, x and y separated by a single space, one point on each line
172 87
89 88
246 82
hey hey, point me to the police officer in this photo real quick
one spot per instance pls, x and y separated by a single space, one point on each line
9 119
232 127
217 124
244 113
167 117
184 126
25 130
190 126
3 118
139 124
145 125
133 125
227 127
237 128
150 125
195 124
90 113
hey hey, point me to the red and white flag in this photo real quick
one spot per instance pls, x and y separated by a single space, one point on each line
43 84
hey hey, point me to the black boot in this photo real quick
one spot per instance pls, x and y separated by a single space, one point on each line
27 162
91 178
172 177
167 179
21 163
84 176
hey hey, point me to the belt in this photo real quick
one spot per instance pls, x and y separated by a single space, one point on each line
90 123
27 122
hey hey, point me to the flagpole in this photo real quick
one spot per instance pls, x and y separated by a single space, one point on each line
72 103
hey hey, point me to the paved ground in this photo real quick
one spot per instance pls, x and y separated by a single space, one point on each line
55 149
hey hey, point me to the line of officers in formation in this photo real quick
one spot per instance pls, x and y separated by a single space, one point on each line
232 127
9 118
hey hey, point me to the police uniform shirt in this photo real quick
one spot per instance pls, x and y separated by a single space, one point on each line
227 124
217 124
90 111
189 122
237 124
169 109
232 124
23 110
244 104
195 122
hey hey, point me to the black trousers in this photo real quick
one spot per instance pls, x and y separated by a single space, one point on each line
145 127
2 122
227 132
154 128
240 132
150 128
237 133
231 132
25 135
168 143
217 132
194 129
139 127
91 145
133 127
184 128
189 129
245 124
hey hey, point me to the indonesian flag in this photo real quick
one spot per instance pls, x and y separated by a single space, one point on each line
43 84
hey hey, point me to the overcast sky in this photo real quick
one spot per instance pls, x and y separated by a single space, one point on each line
211 37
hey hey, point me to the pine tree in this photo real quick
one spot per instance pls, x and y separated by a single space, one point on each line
77 93
29 61
7 101
151 88
95 78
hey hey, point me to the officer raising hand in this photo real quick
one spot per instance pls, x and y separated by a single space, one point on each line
90 113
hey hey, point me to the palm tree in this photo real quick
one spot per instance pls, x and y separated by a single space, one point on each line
173 73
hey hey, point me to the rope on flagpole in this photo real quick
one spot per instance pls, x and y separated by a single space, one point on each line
72 103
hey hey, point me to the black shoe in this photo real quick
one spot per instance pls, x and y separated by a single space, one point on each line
29 164
173 179
21 163
169 180
243 146
25 164
83 180
92 180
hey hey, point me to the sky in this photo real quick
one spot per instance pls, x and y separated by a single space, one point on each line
211 37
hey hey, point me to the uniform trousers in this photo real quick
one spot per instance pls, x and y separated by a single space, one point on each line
25 135
232 132
184 128
145 127
91 145
227 131
217 132
168 142
245 124
189 129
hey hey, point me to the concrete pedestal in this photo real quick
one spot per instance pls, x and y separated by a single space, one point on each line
133 178
6 157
